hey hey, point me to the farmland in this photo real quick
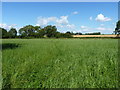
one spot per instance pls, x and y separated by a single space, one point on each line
59 63
102 36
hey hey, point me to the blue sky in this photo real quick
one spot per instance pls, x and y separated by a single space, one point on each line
67 16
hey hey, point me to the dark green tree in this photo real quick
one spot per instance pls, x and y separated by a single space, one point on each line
37 28
41 33
22 32
68 32
3 32
58 35
38 32
117 29
12 33
50 31
67 35
27 31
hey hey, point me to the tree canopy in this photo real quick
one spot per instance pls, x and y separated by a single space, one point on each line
49 31
4 32
117 29
30 31
38 32
12 33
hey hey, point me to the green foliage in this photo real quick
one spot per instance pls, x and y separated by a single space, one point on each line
59 35
60 63
12 33
38 32
63 35
95 33
37 28
22 32
67 35
41 33
50 31
78 33
3 33
27 31
117 29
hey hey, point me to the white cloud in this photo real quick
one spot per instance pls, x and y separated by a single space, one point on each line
103 29
101 24
114 24
5 26
71 26
100 28
37 25
75 12
84 28
59 25
52 19
62 20
91 18
102 18
68 27
42 21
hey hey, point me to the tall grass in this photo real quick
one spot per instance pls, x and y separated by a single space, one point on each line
60 63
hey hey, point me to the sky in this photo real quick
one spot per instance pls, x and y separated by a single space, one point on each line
85 17
60 0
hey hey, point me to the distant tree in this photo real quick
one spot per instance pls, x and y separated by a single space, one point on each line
37 29
12 33
94 33
50 31
59 35
117 29
3 32
69 32
63 35
67 35
38 32
27 31
30 30
78 33
22 32
41 33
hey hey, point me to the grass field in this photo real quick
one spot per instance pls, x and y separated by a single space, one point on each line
60 63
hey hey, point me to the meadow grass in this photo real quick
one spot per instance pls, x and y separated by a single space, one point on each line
60 63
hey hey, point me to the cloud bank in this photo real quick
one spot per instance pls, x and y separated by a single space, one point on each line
6 26
102 18
59 22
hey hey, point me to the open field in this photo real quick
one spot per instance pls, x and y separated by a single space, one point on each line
60 63
96 35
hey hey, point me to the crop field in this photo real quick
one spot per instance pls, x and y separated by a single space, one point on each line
96 36
60 63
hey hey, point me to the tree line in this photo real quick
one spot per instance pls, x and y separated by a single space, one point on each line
117 29
30 31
